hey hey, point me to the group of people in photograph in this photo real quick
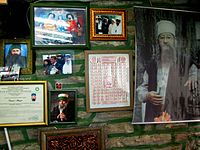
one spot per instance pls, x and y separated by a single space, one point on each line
62 28
108 25
58 64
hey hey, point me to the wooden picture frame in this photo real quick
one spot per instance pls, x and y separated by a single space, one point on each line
108 76
107 24
69 110
167 62
28 99
24 59
77 138
59 24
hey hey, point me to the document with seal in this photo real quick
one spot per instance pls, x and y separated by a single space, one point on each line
23 103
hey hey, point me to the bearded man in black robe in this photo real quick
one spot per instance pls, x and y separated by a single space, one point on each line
14 57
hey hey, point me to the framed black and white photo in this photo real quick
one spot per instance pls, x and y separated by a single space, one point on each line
167 66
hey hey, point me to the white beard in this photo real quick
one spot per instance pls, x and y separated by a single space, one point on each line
167 54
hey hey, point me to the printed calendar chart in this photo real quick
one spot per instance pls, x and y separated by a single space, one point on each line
109 80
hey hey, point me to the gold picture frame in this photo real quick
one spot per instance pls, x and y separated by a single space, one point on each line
107 24
108 76
25 58
28 99
79 138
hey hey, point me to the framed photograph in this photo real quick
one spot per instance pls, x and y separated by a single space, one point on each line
58 63
16 52
62 106
107 24
59 24
9 73
82 138
167 66
108 76
28 99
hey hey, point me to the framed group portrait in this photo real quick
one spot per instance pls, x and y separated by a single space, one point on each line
108 77
28 99
16 52
75 138
59 24
58 63
107 24
167 66
62 106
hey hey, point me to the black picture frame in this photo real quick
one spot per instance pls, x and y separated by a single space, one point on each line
47 33
71 106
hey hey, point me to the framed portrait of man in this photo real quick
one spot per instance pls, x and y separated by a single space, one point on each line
17 52
167 66
62 106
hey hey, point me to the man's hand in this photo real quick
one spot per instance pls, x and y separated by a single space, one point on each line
192 84
62 116
154 98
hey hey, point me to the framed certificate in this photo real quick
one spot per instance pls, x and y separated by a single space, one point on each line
108 80
23 103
